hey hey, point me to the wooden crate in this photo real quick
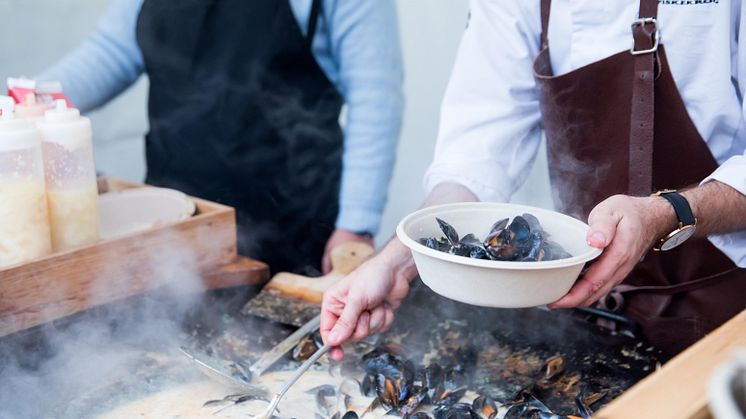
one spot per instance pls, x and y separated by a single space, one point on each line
200 249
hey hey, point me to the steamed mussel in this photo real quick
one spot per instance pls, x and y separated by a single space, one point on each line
520 240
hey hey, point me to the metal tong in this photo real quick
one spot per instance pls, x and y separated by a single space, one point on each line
262 364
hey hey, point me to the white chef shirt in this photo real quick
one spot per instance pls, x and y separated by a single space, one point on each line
490 120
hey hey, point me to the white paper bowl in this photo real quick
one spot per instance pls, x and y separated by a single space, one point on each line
137 209
494 283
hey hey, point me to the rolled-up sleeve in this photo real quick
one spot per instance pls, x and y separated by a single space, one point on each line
732 172
106 63
364 40
489 130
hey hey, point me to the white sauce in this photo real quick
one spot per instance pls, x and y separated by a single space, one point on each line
24 223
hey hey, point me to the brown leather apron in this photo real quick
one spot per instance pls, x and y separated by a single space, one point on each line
619 126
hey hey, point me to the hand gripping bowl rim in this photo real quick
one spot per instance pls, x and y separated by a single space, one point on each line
438 210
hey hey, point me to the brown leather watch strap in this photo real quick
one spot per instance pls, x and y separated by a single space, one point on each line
643 101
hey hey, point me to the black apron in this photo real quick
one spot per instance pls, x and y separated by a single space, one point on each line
241 113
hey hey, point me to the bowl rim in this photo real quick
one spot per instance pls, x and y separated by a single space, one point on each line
415 246
188 205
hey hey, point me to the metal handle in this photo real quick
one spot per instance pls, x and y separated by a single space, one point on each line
269 358
289 383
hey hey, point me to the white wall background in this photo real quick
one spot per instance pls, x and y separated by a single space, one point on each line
430 32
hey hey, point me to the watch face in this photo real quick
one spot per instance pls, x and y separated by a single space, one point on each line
678 237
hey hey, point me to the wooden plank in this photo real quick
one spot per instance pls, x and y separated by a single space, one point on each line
679 389
242 271
200 248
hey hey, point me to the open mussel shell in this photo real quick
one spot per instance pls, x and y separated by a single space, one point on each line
449 231
307 347
485 407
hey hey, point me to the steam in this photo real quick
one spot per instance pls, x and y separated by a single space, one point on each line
573 182
59 369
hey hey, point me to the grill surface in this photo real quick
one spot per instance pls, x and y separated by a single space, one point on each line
512 347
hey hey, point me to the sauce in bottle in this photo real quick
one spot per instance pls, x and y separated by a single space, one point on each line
72 192
24 222
30 109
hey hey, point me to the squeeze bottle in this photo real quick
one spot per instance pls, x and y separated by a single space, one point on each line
24 222
72 193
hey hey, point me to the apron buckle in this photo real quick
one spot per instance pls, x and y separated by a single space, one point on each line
656 35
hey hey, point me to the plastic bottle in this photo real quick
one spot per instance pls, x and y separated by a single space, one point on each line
30 109
70 174
24 223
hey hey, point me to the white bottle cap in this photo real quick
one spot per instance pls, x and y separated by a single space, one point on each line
15 133
30 108
65 126
61 113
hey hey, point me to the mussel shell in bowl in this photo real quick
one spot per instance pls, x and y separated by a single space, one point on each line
496 283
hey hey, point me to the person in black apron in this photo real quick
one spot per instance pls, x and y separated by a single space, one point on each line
245 117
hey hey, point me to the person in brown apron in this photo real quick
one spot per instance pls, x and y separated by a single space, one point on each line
678 295
623 116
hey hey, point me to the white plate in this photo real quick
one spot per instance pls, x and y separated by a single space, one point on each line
495 283
138 209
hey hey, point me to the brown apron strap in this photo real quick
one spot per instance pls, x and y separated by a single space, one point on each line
677 288
546 5
614 300
643 101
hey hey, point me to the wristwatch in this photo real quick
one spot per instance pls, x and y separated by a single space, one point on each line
687 221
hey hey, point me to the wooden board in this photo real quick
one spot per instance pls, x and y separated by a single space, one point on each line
200 249
679 389
300 296
344 259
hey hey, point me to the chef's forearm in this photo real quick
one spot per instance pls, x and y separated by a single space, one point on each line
719 208
397 255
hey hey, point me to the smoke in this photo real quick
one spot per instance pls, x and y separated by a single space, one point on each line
76 366
574 182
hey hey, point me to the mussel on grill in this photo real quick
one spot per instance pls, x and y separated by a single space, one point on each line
307 347
325 396
455 411
349 415
432 376
554 367
527 405
521 240
233 399
368 386
414 401
485 407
